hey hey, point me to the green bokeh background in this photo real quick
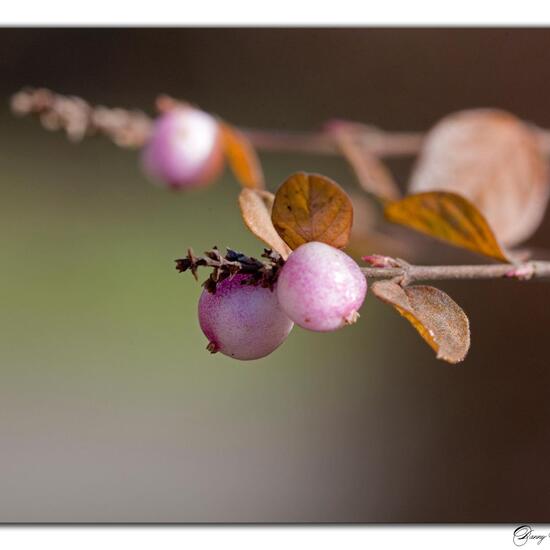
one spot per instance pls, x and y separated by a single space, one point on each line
104 365
111 410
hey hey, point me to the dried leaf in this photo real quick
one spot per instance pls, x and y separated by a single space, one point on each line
449 217
437 318
242 157
256 206
372 174
311 207
494 160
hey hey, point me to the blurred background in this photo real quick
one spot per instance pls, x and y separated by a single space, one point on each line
111 410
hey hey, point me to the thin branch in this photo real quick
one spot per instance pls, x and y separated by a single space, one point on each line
413 273
375 141
79 119
382 267
131 128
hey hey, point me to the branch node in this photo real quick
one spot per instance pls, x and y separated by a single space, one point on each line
522 272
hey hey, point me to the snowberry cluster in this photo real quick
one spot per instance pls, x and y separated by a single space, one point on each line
319 287
246 316
249 306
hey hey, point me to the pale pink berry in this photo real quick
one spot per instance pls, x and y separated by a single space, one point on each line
321 288
243 321
184 149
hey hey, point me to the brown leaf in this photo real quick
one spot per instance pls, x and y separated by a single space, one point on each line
311 207
438 319
494 160
242 157
256 206
372 174
449 217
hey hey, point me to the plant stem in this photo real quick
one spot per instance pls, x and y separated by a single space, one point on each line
130 129
127 129
375 141
413 273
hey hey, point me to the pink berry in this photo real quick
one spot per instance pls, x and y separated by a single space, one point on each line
184 149
243 321
321 288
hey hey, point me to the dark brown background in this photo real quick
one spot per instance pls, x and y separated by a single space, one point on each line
110 410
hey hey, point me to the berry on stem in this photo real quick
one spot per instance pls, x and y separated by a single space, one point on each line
321 288
184 149
242 321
